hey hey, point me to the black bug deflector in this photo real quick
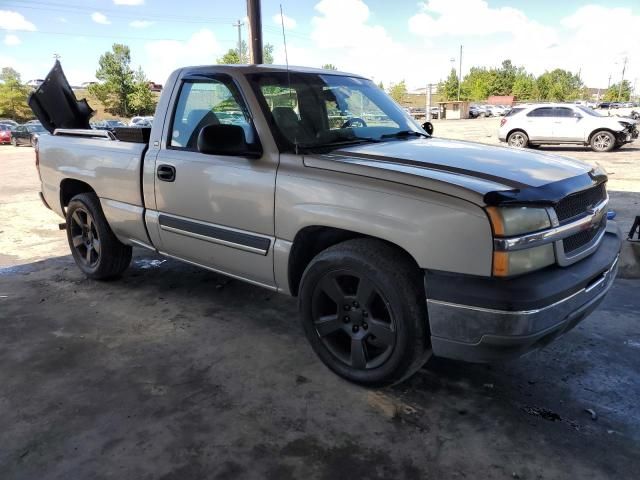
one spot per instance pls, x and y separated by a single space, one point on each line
55 104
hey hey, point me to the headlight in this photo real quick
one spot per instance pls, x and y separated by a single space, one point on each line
513 221
509 221
522 261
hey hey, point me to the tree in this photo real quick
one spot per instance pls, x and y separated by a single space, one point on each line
476 85
381 85
141 100
524 86
449 88
329 66
13 96
398 91
611 95
116 80
232 58
558 85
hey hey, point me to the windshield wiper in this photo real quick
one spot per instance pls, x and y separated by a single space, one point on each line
405 133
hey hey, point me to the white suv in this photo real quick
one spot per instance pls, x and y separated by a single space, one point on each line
535 125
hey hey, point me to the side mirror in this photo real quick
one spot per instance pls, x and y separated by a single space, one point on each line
577 115
428 127
226 140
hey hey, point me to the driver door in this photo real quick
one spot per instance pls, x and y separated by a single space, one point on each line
215 211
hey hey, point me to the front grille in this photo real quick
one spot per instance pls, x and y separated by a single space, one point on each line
578 203
580 239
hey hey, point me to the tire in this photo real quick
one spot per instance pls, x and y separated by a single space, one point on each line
95 249
363 310
602 141
518 139
535 147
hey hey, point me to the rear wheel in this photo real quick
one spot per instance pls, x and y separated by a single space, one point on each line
364 312
603 141
95 249
518 139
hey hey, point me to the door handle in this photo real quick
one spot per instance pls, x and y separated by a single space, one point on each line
166 173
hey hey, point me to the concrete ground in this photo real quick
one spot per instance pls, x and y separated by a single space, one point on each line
177 373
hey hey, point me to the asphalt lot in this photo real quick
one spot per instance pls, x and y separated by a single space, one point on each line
177 373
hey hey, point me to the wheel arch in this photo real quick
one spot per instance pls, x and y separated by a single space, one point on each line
516 129
601 129
70 187
311 240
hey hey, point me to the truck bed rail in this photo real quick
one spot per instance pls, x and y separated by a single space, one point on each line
78 132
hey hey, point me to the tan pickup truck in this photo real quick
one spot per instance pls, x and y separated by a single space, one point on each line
316 184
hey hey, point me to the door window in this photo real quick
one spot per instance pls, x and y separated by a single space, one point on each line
541 112
203 103
563 112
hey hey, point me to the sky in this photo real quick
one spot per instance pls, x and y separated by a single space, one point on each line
388 41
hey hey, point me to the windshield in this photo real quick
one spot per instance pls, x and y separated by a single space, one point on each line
325 111
35 128
589 111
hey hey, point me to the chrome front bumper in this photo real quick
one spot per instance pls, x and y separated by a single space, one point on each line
483 334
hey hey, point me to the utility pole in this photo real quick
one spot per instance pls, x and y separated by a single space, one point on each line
239 26
428 102
460 74
624 66
57 56
609 82
255 31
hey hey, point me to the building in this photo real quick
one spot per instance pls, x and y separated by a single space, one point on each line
507 100
453 109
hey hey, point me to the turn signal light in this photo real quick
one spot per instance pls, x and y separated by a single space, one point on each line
502 122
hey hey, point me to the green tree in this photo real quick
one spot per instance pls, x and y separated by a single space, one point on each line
116 80
524 86
13 96
449 88
476 85
398 91
558 85
141 101
232 58
611 95
329 66
381 85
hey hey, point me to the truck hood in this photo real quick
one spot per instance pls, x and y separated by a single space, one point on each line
500 174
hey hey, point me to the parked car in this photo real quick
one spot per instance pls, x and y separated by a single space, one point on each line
399 245
604 105
566 123
109 125
7 121
27 134
141 121
5 134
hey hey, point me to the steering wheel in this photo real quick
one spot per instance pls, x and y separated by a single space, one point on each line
354 122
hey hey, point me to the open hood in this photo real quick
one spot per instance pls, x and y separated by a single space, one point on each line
55 104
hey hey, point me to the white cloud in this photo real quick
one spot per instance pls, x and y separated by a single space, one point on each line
11 40
289 23
128 2
100 18
141 23
62 20
475 17
10 20
164 56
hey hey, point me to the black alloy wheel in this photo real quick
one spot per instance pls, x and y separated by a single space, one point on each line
353 319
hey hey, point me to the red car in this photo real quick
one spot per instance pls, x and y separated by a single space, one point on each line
5 134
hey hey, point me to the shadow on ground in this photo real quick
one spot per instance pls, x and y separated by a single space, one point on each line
177 373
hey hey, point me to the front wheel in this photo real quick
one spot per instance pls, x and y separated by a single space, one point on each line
603 141
364 312
518 139
95 249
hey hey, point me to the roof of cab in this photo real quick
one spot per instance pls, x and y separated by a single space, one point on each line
264 68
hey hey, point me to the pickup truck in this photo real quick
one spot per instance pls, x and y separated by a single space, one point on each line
314 183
